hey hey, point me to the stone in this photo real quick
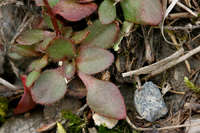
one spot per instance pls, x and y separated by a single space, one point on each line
22 124
149 102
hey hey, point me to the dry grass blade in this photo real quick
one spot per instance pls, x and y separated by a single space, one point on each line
7 84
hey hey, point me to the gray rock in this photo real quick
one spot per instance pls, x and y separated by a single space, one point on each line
21 124
149 102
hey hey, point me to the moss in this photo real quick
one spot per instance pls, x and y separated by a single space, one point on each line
3 108
74 124
122 127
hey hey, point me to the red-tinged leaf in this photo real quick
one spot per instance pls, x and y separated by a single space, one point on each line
38 64
107 12
72 11
49 87
60 49
26 103
25 50
92 60
148 12
52 3
104 97
79 36
84 1
31 37
102 35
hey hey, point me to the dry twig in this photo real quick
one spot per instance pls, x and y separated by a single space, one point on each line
152 67
162 128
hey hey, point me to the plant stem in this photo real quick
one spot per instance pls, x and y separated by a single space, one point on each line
53 19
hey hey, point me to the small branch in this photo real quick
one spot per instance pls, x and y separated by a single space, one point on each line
175 62
162 128
7 84
186 8
152 67
53 19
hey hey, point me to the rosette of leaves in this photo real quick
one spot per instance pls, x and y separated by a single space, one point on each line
86 59
82 53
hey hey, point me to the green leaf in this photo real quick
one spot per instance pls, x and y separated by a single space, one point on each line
102 35
60 49
32 77
104 97
69 69
38 64
148 12
60 128
25 50
52 3
92 60
191 85
107 12
79 36
49 87
30 37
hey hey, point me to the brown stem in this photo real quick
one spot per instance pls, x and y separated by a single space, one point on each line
53 19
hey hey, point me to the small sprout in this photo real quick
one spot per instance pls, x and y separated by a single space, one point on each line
60 128
191 85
